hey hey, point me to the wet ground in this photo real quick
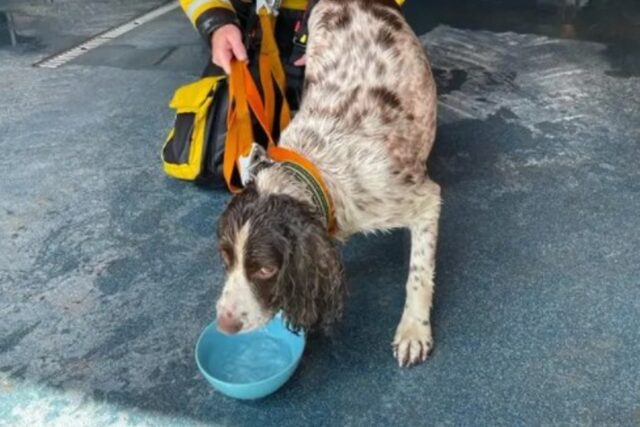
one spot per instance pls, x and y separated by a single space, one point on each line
108 270
615 23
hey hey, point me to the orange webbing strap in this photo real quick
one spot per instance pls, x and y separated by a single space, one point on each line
244 98
305 167
271 70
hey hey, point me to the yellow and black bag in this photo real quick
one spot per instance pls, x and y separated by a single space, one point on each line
194 147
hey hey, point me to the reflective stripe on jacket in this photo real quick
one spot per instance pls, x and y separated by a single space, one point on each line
208 15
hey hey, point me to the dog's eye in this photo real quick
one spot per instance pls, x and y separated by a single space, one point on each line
265 272
227 256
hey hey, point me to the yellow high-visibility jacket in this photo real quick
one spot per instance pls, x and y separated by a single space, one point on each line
208 15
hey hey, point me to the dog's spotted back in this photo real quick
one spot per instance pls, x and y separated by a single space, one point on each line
369 104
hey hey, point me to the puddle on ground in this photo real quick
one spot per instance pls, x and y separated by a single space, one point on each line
11 37
615 23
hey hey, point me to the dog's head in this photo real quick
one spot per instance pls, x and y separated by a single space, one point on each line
278 255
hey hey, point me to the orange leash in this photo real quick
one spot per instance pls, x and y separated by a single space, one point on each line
271 71
243 99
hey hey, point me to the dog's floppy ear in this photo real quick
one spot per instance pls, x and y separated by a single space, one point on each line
311 287
250 164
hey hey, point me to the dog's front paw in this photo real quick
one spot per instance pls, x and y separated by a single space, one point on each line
413 342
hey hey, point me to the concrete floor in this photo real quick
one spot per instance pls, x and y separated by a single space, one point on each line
108 270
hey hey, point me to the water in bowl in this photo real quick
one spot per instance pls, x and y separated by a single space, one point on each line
251 360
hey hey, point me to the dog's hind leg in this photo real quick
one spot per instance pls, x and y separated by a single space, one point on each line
413 340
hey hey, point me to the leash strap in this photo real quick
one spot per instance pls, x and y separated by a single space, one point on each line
271 71
244 98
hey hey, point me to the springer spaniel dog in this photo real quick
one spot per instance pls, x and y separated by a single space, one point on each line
367 123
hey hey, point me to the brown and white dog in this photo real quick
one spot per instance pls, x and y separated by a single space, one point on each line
367 122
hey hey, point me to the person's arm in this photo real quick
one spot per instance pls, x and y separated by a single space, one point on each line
209 15
218 24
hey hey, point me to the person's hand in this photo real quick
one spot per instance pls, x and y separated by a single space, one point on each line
226 44
301 62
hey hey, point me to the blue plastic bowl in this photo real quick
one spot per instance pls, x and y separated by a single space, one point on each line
249 365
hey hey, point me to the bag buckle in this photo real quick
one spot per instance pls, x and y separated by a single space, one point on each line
247 164
272 6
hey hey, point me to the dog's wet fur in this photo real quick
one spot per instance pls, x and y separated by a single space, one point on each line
367 121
